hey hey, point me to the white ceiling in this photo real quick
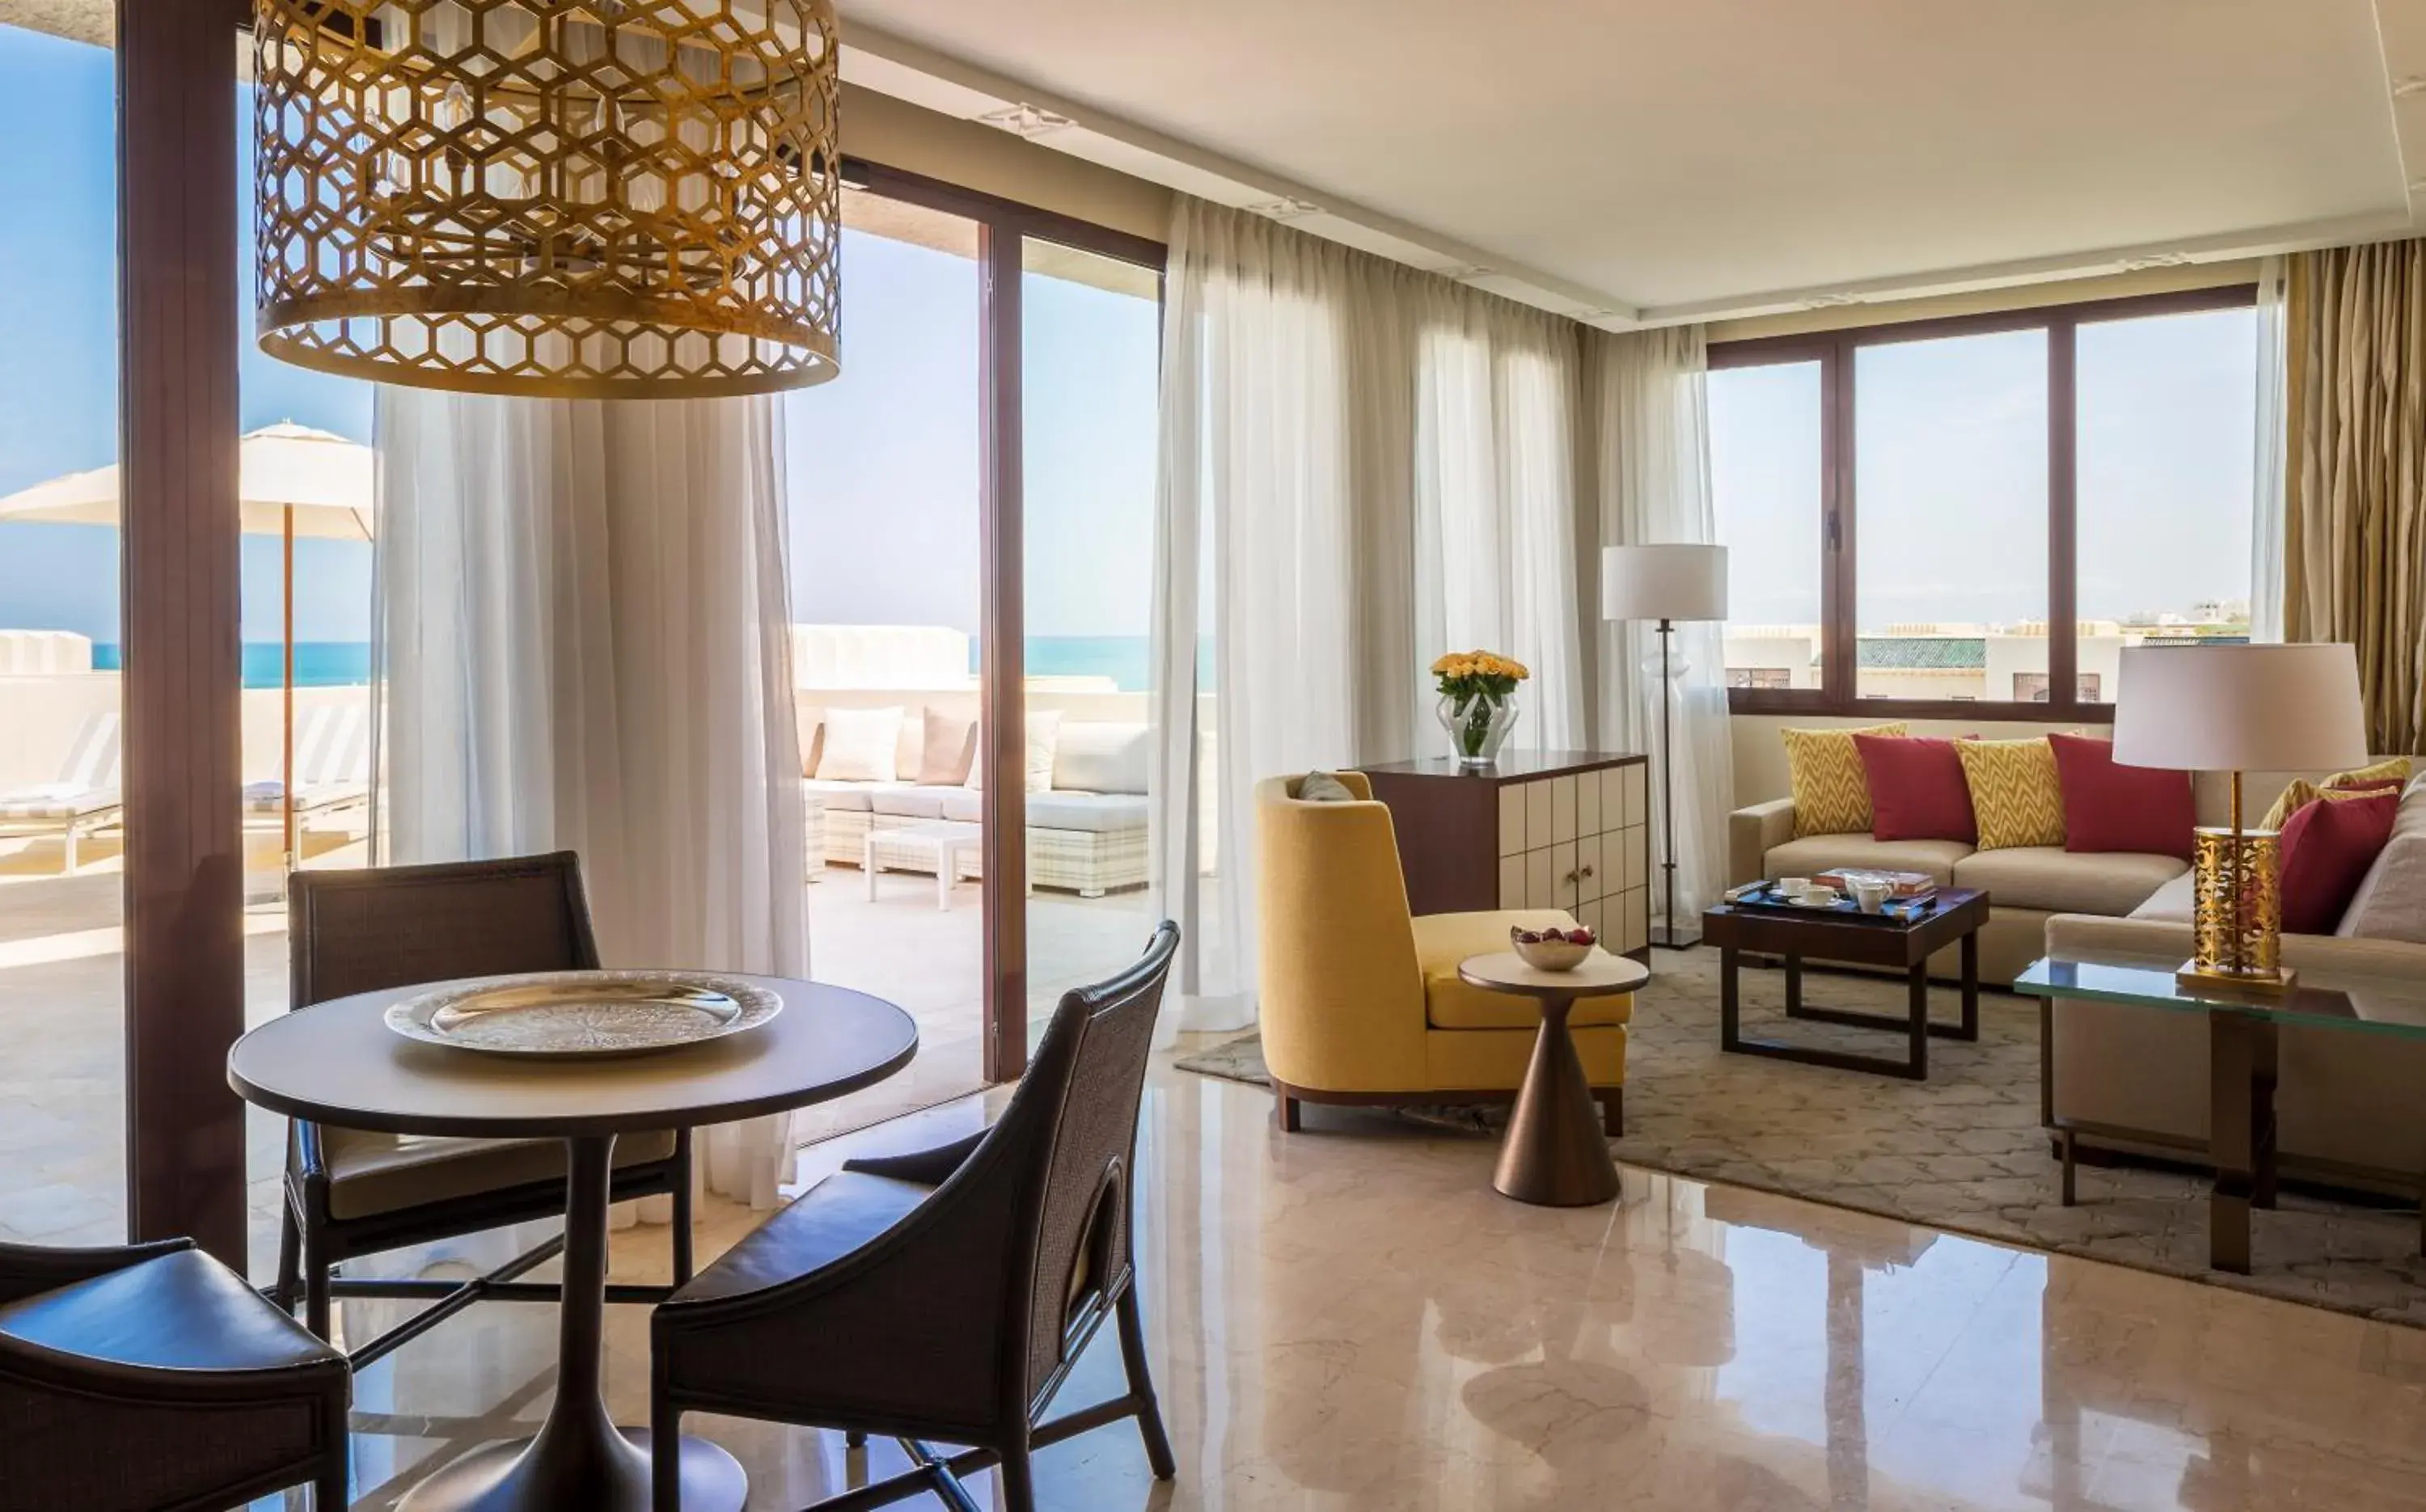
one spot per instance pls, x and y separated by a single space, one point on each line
1649 161
1664 159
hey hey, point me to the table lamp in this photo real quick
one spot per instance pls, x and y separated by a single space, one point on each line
1666 583
2206 708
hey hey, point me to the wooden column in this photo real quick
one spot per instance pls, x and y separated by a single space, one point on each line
1003 596
180 324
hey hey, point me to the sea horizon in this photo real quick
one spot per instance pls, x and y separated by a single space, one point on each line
1124 659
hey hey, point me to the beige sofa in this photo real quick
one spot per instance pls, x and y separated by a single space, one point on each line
2348 1103
2026 886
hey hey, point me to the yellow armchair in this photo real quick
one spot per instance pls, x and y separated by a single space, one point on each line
1361 1001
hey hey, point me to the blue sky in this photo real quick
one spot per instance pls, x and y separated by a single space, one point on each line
883 460
1950 474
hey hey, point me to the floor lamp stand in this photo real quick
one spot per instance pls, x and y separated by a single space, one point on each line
1665 933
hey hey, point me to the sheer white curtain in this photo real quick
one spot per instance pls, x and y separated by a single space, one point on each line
1362 466
1653 443
583 627
2269 483
1253 545
1496 387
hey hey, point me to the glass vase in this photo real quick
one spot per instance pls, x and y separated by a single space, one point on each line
1478 726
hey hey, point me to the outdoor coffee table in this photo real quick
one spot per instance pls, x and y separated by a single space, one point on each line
338 1063
943 842
2242 1028
1855 939
1556 1154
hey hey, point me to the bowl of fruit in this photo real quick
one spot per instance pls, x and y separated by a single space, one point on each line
1553 950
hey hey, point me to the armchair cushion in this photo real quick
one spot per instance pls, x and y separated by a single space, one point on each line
180 1311
832 1219
372 1173
1444 940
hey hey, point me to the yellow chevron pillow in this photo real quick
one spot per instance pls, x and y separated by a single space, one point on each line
2302 792
1831 787
2014 792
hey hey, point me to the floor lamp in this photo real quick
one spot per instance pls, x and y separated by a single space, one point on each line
1666 583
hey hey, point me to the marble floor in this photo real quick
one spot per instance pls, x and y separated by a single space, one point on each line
1349 1318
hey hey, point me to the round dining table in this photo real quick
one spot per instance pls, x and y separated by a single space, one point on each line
338 1063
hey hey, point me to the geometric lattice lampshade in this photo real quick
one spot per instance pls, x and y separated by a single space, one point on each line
594 199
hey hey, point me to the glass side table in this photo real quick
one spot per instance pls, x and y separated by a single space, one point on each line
2243 1030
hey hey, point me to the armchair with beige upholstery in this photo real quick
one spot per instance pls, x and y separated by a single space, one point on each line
1361 1001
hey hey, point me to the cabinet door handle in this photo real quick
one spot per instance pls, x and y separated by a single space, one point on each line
1570 879
1588 871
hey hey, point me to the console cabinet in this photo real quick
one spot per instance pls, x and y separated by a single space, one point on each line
1561 829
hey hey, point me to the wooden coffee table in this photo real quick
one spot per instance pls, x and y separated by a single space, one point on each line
1855 941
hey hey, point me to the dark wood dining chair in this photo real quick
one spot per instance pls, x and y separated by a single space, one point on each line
351 1192
151 1379
944 1295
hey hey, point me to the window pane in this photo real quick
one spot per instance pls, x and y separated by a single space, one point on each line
1951 490
883 482
2167 428
1765 484
1090 339
62 1093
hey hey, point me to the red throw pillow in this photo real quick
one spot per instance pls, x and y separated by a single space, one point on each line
1917 789
2106 806
2326 850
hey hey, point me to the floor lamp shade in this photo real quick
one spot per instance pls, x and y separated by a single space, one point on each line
2238 709
1663 582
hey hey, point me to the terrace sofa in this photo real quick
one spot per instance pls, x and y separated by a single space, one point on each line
1086 833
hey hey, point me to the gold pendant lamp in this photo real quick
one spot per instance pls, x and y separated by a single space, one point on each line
559 199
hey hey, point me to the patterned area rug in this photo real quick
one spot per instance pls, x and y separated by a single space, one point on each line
1962 1151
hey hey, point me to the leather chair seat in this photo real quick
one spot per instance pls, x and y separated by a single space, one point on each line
1444 939
833 1218
179 1311
373 1173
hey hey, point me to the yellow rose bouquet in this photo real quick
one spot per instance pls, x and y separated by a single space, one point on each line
1478 708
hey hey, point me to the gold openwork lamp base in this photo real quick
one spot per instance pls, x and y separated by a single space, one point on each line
2239 917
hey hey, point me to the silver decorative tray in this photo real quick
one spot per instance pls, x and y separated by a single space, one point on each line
568 1015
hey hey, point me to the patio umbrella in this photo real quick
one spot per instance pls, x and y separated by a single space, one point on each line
292 481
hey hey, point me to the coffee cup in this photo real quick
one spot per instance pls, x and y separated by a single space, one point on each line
1819 896
1873 896
1794 887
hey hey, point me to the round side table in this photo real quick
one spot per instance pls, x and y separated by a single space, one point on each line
1555 1154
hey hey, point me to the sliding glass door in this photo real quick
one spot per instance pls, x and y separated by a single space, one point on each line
1089 341
885 478
62 879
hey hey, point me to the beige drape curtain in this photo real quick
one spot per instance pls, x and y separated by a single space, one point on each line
2354 553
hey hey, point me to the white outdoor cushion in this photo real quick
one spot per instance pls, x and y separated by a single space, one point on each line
841 797
963 805
1097 756
1044 735
861 745
913 803
1103 814
56 800
949 749
264 796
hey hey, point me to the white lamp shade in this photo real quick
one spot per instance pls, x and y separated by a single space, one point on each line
2240 708
1663 582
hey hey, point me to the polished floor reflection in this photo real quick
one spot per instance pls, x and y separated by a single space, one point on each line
1349 1318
